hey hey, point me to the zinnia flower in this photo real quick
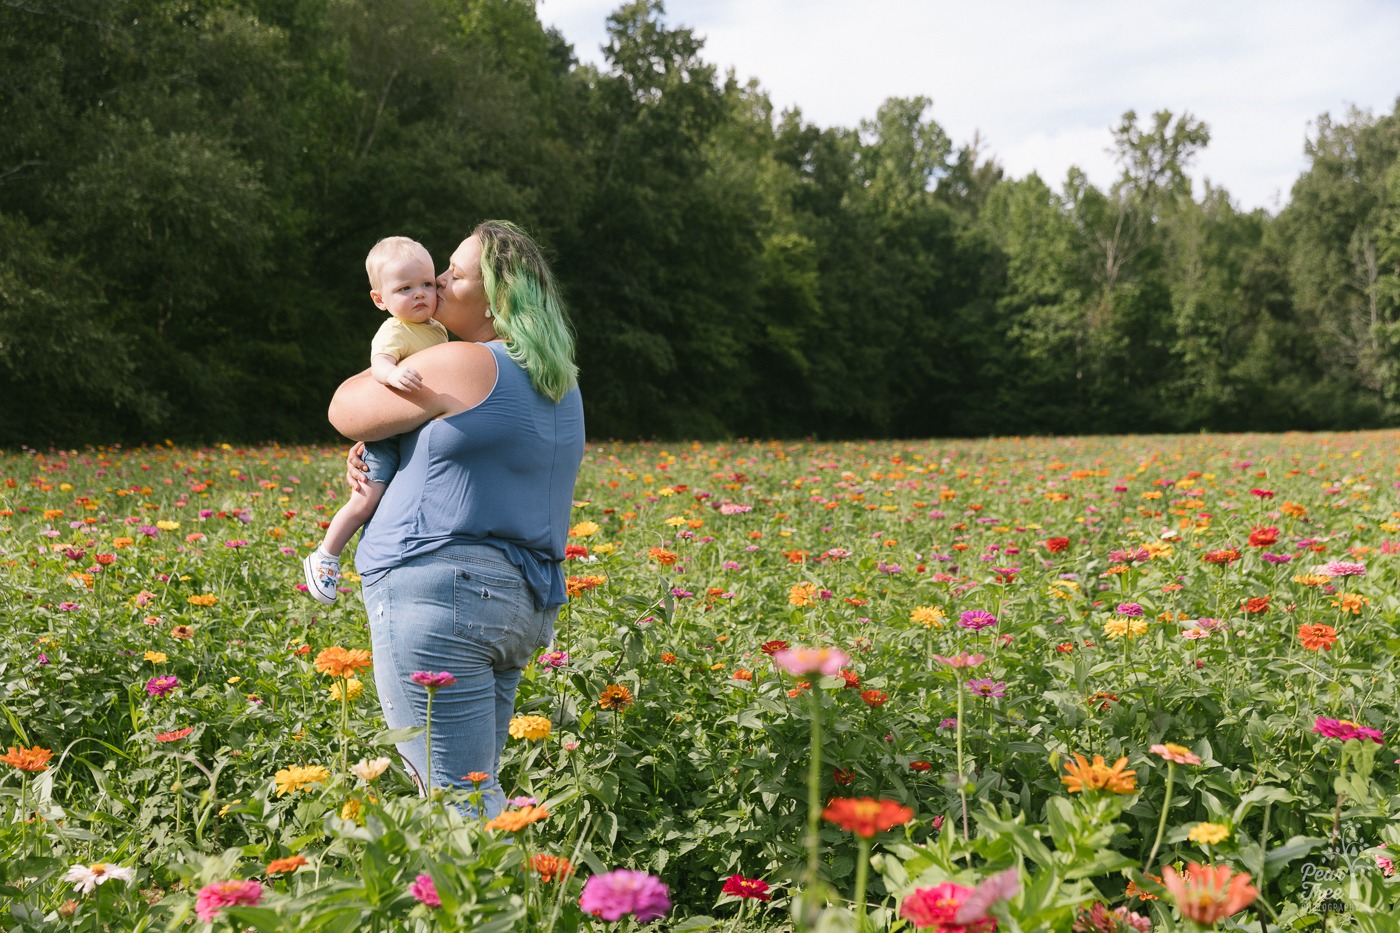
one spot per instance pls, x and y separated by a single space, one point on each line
1346 730
369 770
86 878
977 619
615 697
213 898
1208 894
162 686
927 616
955 908
1222 556
291 863
799 661
1317 637
746 888
529 727
984 687
340 662
961 659
584 530
802 594
1342 568
28 759
425 892
662 556
1179 754
618 893
175 736
513 821
1056 545
432 681
1208 833
866 816
295 778
354 689
1084 776
551 867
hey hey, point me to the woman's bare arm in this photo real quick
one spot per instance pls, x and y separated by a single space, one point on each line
456 376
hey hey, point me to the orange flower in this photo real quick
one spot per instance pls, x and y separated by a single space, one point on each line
288 865
615 697
1256 604
1083 776
1223 556
795 556
476 777
1350 602
802 594
1178 754
342 662
551 867
576 585
515 820
866 816
1208 894
28 759
1317 637
182 632
662 556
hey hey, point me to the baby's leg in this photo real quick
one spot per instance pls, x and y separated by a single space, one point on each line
351 517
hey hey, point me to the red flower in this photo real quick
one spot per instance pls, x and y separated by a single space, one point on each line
1262 493
874 698
1064 647
1056 545
772 647
852 681
1263 537
574 551
1257 604
1223 556
919 766
844 776
739 886
865 816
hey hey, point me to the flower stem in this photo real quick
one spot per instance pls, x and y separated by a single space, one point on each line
814 786
1162 822
862 875
428 747
962 770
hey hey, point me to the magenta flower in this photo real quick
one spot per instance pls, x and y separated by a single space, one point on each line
425 892
555 659
983 687
1342 568
746 888
434 682
621 892
162 686
1346 730
799 661
235 543
213 898
977 619
1129 609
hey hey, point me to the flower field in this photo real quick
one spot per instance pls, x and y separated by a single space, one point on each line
1020 684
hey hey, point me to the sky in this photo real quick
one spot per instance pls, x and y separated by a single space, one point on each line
1042 82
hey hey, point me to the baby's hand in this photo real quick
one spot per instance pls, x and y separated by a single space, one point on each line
406 378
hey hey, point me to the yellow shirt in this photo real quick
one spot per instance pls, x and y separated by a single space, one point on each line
400 339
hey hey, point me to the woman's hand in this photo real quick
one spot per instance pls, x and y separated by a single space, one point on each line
356 470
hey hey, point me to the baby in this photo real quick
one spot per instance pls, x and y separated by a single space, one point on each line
402 283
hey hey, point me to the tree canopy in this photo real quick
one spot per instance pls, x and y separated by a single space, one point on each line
188 189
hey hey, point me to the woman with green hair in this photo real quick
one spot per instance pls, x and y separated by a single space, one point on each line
462 562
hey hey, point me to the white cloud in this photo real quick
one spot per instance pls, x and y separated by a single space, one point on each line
1044 80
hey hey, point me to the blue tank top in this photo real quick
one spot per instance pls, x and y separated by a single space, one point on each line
501 474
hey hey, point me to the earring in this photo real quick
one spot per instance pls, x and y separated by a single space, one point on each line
488 312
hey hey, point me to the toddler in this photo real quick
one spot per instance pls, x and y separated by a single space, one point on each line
402 283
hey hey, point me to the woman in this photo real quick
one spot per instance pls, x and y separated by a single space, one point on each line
461 564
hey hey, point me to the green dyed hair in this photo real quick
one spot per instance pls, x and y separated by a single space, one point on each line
528 312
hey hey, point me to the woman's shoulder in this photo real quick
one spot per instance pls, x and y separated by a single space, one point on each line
462 373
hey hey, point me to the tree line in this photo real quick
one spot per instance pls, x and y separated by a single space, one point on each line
188 189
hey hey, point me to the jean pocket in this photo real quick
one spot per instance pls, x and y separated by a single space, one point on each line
489 608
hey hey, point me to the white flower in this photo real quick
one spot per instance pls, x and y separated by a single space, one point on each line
87 877
369 770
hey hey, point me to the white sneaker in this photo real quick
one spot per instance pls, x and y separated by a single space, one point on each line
322 576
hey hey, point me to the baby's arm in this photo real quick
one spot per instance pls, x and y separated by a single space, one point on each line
388 371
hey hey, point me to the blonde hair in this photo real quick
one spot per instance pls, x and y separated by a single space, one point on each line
389 249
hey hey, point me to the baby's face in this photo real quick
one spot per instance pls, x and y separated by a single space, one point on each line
407 289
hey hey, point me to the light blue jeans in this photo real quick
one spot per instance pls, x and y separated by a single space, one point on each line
463 609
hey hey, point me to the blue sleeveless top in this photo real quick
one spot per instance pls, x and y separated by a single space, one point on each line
501 474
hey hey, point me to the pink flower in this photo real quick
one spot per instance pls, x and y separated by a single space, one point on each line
213 898
554 659
1129 609
799 661
433 682
425 892
1345 730
962 659
977 619
162 686
938 908
1342 568
621 892
984 687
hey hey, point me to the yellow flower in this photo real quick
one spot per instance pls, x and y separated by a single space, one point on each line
155 657
223 811
167 525
353 688
233 680
583 530
603 550
297 778
351 810
1119 626
529 727
206 599
1208 833
1311 579
928 616
675 521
